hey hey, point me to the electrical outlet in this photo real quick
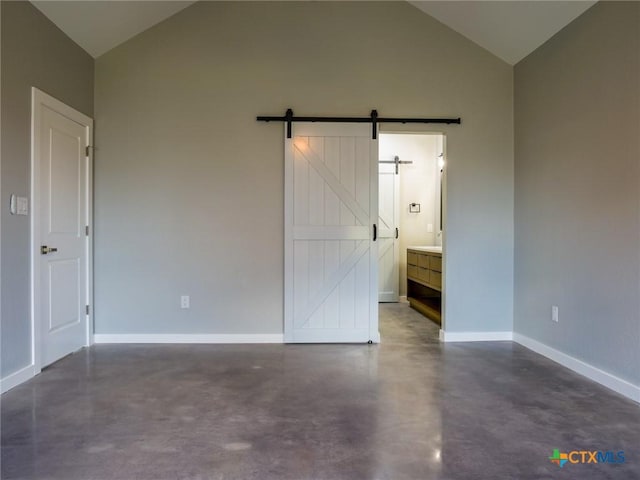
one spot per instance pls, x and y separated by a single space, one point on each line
185 301
554 313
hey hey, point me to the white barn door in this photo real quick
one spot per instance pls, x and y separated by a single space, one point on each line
331 189
389 245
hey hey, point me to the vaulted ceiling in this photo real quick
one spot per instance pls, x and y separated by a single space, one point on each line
508 29
100 25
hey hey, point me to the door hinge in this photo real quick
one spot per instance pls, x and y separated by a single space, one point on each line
86 230
86 309
87 150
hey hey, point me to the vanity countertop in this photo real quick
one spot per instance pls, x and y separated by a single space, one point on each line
432 249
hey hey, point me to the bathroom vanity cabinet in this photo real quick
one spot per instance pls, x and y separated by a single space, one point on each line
424 281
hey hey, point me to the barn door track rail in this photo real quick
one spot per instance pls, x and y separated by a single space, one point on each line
374 119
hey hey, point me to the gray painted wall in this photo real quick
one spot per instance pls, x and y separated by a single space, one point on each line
189 187
577 145
34 53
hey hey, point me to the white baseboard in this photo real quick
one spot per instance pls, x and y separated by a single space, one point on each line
616 384
187 338
475 336
16 378
403 299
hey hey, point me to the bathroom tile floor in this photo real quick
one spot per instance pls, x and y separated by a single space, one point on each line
409 408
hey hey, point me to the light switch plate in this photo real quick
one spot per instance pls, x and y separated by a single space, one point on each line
23 206
18 205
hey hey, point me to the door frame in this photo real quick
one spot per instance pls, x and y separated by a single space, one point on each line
39 101
441 192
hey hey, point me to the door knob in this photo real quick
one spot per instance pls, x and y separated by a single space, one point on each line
44 249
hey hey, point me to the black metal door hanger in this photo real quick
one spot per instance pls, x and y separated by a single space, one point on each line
374 119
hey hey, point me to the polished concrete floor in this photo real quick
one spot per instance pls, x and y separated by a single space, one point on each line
410 408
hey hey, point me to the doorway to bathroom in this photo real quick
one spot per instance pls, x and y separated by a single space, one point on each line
410 206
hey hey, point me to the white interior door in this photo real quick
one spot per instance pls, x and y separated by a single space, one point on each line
331 189
389 245
61 200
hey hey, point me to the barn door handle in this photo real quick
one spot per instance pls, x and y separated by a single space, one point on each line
375 232
397 233
44 249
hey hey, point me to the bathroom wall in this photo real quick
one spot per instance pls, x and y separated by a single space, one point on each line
418 184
